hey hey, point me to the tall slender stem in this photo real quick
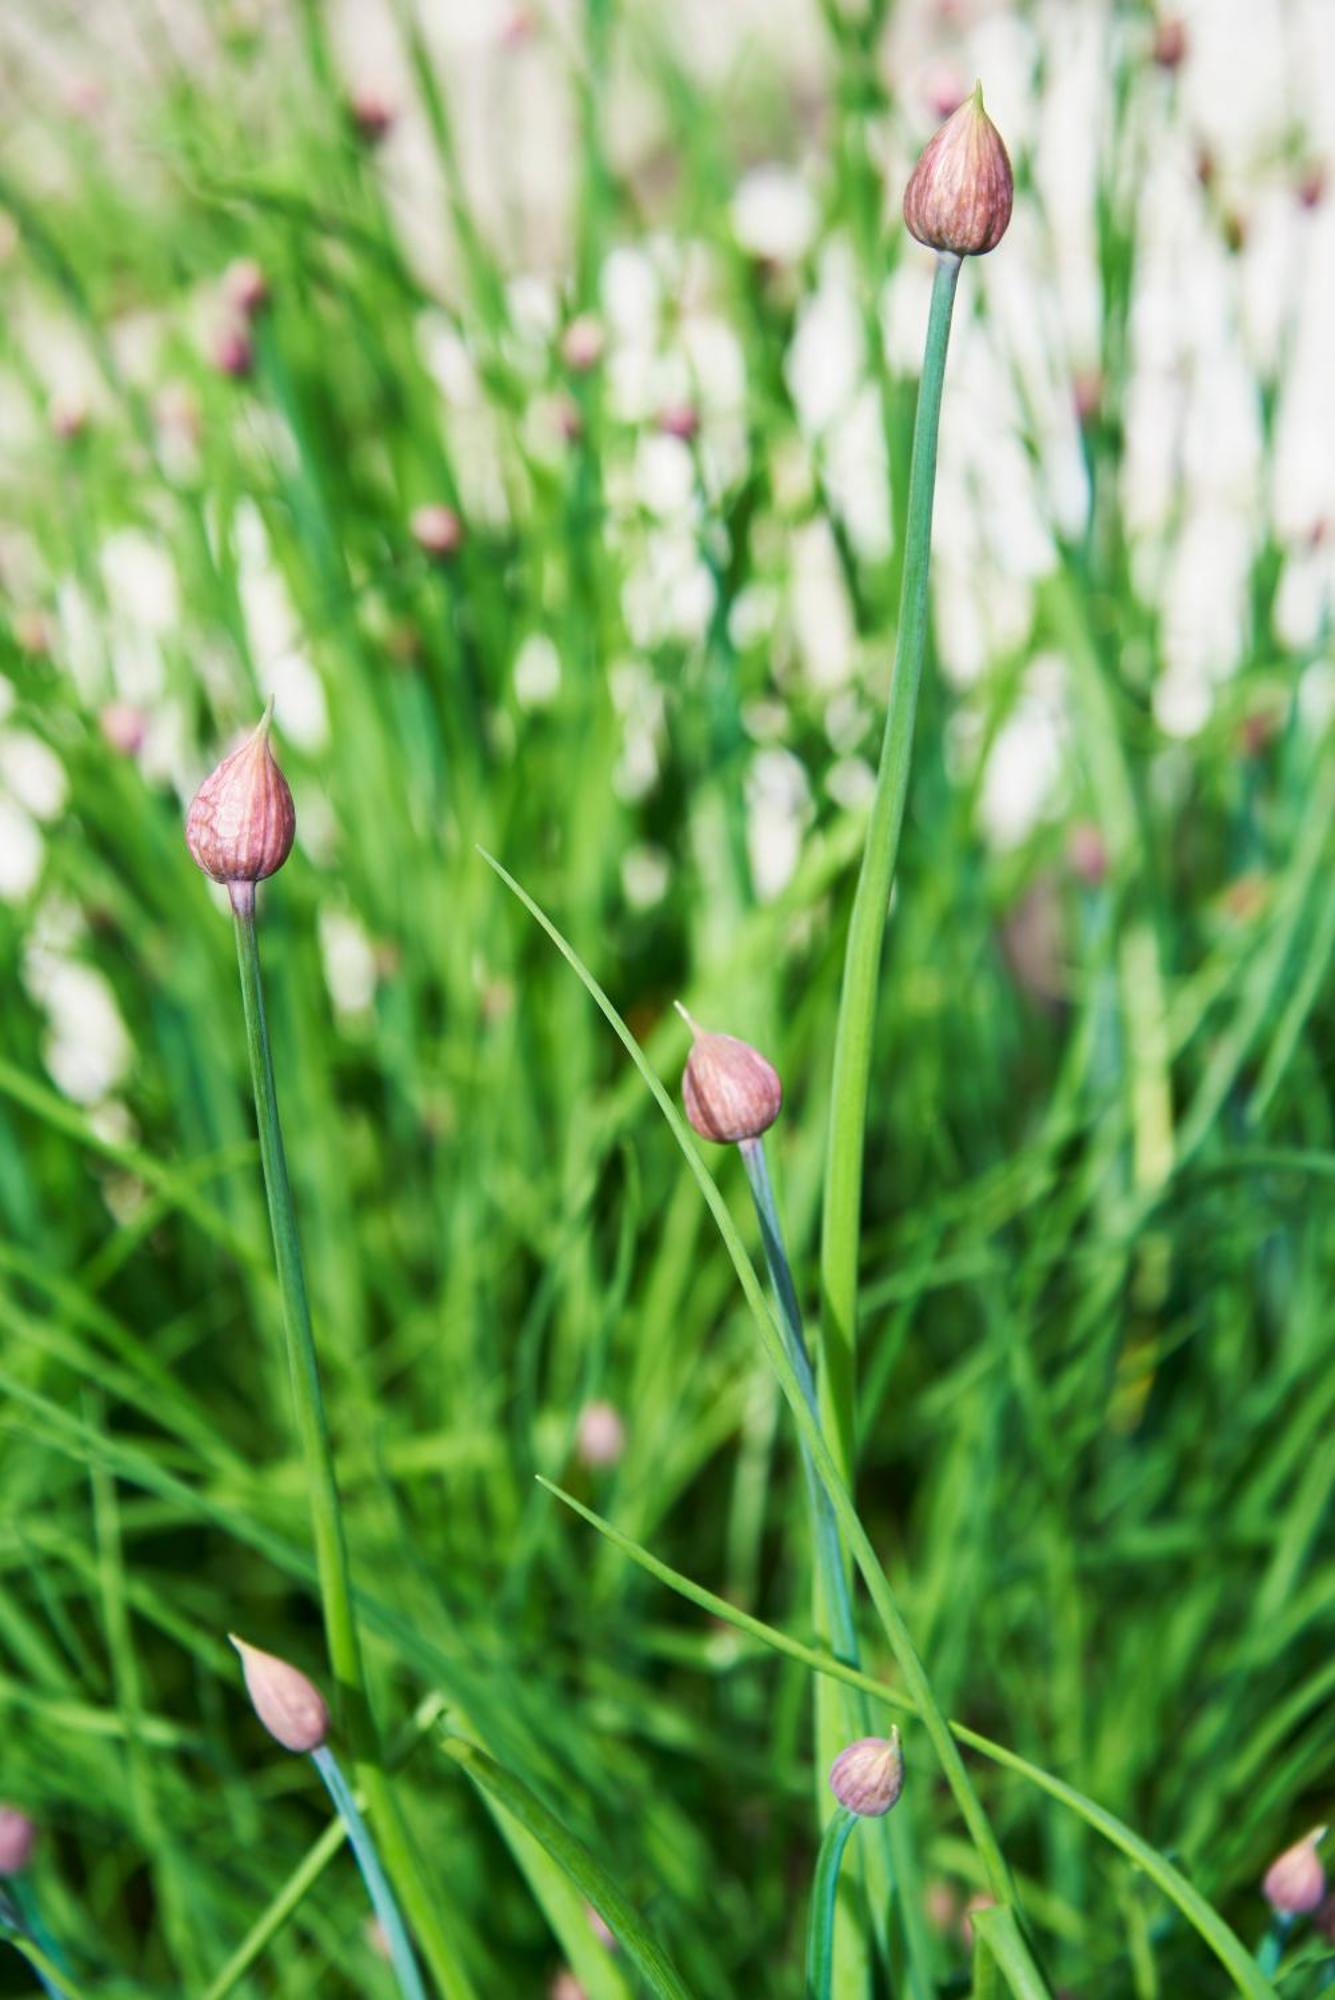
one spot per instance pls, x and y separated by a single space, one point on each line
824 1900
377 1888
331 1552
841 1219
891 1862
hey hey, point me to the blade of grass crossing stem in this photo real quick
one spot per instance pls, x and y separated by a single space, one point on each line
841 1219
998 1931
566 1911
878 1584
1202 1916
420 1901
573 1857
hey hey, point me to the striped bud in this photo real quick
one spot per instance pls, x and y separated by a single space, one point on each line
959 195
241 821
868 1776
291 1707
730 1092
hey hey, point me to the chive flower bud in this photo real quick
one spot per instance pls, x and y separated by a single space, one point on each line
241 821
1295 1884
730 1092
245 287
868 1776
437 530
18 1837
291 1707
958 200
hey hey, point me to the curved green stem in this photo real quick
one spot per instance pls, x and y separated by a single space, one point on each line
377 1888
331 1553
824 1899
842 1213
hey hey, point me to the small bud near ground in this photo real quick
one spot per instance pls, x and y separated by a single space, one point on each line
437 531
18 1837
600 1435
241 822
245 287
730 1091
959 197
868 1776
1295 1884
289 1705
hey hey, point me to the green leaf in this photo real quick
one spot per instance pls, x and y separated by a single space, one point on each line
575 1861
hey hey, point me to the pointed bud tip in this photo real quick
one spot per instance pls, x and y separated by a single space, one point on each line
868 1777
289 1705
731 1093
241 822
959 197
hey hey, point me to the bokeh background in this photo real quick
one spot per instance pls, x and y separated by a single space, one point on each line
522 396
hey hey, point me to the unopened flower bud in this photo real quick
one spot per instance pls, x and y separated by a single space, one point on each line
18 1837
868 1776
1295 1884
241 821
437 531
680 420
233 351
582 343
1169 48
600 1435
291 1707
245 287
959 195
730 1092
372 113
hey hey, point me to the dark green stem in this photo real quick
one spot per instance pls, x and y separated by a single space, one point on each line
331 1554
824 1901
841 1220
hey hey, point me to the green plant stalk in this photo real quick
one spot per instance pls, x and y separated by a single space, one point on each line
842 1211
1271 1948
331 1554
997 1930
891 1860
879 1588
377 1888
824 1902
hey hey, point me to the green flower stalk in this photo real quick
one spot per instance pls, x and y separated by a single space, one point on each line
866 1779
295 1714
240 828
18 1909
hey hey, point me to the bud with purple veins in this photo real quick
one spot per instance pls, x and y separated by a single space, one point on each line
868 1777
730 1092
958 200
1295 1884
241 822
289 1705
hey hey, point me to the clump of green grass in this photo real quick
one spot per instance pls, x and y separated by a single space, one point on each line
1088 1421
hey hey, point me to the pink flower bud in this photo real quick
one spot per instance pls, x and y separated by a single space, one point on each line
565 1986
1087 853
1295 1884
1312 184
372 113
959 195
680 420
868 1776
123 727
730 1092
1169 47
233 352
291 1707
245 287
582 344
437 531
600 1436
18 1837
241 821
